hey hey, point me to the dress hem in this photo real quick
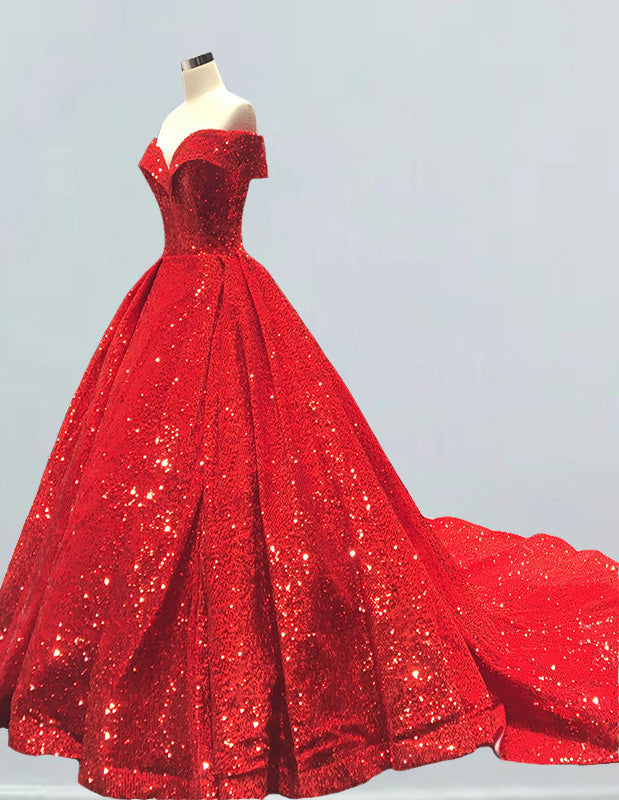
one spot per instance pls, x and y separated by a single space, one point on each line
317 775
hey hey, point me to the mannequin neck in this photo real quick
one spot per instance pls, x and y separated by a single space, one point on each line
200 80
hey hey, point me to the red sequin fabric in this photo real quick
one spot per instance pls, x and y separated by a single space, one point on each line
224 590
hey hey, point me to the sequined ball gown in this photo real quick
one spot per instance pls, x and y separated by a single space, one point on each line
224 590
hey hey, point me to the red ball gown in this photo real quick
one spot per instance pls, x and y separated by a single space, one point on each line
224 590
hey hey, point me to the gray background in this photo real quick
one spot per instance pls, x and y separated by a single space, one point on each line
441 209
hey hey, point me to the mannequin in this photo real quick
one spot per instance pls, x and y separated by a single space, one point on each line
207 104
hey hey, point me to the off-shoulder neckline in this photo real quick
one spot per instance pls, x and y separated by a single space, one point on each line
235 132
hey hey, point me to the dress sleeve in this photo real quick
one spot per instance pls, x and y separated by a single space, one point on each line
256 158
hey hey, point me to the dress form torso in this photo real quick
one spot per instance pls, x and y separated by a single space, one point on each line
208 104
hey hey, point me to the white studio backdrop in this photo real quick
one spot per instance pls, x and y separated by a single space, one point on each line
441 210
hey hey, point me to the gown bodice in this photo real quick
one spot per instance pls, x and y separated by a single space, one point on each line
201 194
